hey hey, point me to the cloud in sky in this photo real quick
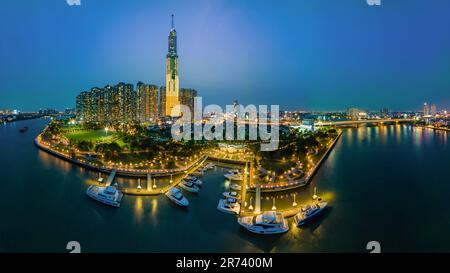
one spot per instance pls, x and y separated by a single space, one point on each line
73 2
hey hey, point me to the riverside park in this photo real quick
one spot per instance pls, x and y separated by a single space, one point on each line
149 153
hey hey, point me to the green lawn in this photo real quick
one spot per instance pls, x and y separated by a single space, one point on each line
91 135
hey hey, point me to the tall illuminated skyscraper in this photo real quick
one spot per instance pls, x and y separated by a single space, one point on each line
172 83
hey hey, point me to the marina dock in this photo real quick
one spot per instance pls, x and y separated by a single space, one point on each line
111 177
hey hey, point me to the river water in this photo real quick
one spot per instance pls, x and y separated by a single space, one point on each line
389 184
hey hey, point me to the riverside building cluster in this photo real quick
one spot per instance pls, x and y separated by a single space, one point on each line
147 103
123 103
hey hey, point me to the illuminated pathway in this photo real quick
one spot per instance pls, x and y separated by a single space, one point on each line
111 178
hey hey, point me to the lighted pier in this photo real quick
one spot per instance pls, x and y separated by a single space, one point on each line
149 182
111 178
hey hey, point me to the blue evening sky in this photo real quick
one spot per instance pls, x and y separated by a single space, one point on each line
311 54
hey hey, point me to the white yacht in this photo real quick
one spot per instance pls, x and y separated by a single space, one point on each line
209 166
193 179
232 194
309 212
234 175
235 187
269 222
189 186
229 205
176 196
107 195
198 173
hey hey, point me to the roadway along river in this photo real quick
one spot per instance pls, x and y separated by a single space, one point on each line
389 184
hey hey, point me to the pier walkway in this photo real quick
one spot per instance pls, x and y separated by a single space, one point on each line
111 177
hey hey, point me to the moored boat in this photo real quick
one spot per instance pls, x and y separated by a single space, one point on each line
269 222
308 212
234 175
109 195
194 180
189 186
235 187
198 173
177 197
231 194
229 205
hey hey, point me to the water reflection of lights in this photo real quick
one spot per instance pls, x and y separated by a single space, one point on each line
417 137
360 135
50 161
294 231
45 158
89 182
139 209
398 131
383 133
154 207
349 135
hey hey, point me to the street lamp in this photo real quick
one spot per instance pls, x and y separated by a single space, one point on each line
106 130
139 185
314 197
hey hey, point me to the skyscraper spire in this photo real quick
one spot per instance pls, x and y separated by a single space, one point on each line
172 92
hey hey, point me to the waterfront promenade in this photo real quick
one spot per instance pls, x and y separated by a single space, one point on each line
122 171
289 185
175 174
153 187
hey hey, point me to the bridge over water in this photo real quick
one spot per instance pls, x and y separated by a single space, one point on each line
336 123
357 122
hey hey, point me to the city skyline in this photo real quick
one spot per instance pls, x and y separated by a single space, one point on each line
228 50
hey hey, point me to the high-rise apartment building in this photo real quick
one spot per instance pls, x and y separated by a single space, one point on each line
147 102
426 109
127 102
187 98
108 105
433 110
162 101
